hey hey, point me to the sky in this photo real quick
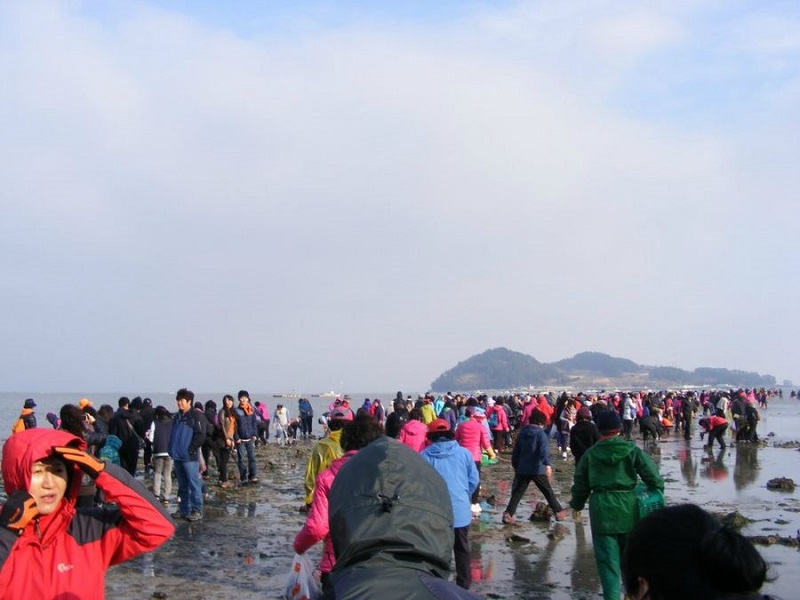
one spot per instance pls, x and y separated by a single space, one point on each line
313 196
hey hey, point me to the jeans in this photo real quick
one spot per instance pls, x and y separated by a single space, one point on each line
190 488
246 449
162 477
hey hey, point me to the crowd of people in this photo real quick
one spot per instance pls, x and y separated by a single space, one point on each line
376 478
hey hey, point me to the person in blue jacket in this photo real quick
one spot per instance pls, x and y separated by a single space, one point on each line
531 462
187 436
245 438
457 468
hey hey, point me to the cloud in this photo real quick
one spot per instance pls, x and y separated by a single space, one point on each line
373 201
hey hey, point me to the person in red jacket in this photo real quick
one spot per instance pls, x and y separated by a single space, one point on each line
715 427
50 549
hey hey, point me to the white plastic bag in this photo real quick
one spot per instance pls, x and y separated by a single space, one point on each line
301 584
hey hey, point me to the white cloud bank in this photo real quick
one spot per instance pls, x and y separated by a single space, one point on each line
368 204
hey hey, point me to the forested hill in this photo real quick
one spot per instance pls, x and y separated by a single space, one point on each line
504 369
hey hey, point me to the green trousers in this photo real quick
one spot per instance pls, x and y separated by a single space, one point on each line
608 556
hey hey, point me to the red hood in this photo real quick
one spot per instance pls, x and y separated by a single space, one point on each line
23 449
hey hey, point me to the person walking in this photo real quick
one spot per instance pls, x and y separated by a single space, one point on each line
474 436
185 441
326 450
458 470
609 472
584 434
246 436
226 438
160 433
531 461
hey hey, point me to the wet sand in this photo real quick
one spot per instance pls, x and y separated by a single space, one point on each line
243 547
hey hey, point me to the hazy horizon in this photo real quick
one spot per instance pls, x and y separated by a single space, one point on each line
360 196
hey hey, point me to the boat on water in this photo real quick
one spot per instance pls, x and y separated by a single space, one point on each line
330 394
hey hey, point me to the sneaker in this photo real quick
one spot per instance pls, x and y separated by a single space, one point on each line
178 515
165 502
254 480
508 518
476 509
195 515
226 484
561 515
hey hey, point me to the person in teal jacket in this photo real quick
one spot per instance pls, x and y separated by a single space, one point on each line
609 472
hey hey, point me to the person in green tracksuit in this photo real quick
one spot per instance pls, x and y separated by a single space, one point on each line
609 471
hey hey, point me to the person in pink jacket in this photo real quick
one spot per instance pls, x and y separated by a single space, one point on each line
414 432
355 435
473 435
498 422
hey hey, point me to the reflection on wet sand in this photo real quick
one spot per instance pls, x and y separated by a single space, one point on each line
745 471
714 466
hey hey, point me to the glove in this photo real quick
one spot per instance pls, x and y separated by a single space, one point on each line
702 434
88 463
19 510
490 452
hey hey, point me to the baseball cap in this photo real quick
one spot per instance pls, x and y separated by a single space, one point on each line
438 426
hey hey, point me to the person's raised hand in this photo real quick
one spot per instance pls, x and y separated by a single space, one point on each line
90 465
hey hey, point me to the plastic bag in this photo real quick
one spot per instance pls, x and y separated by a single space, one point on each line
301 584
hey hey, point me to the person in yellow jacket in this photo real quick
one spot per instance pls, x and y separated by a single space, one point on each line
27 418
426 408
326 450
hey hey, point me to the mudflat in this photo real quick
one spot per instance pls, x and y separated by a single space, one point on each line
243 547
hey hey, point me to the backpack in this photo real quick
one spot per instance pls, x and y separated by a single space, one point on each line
493 420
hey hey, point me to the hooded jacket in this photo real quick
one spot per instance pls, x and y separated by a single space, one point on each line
472 435
65 554
324 452
413 434
316 525
392 532
457 468
531 454
609 471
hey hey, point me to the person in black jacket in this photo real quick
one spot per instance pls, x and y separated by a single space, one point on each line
584 433
128 427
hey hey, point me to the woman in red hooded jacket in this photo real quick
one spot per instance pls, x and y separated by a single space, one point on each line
50 549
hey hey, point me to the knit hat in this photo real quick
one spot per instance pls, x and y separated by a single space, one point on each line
83 403
29 403
608 421
584 413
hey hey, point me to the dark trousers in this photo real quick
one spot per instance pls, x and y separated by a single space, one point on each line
463 556
520 486
148 454
477 493
716 434
222 463
499 438
129 455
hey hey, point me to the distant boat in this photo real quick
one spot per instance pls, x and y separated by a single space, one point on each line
330 394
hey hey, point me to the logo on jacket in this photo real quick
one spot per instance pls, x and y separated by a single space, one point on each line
63 568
